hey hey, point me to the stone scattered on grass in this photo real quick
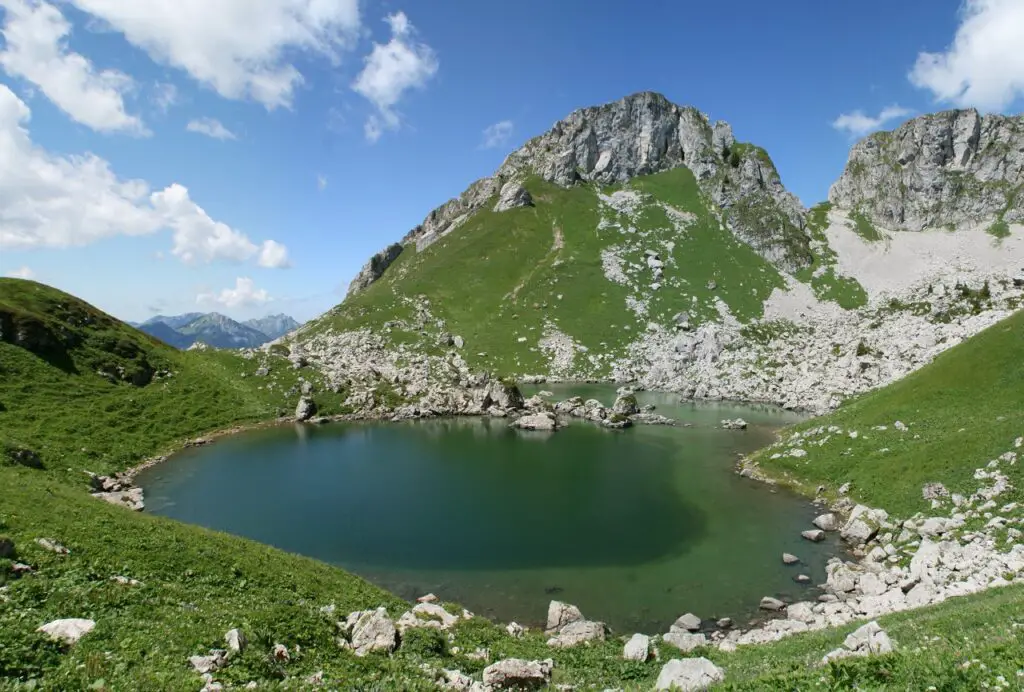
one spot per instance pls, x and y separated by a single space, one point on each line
689 675
52 545
68 630
638 648
867 640
365 631
518 674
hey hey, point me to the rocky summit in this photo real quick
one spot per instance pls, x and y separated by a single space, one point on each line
639 241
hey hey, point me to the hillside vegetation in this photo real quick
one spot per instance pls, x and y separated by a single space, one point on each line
197 584
575 264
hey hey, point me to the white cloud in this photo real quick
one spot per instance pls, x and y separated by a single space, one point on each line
35 36
165 95
65 201
497 135
244 294
858 123
243 49
274 255
321 182
984 67
22 273
390 70
211 127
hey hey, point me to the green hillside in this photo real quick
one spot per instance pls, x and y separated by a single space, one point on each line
502 281
964 409
197 584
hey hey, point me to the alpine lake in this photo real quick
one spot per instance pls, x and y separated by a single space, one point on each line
635 526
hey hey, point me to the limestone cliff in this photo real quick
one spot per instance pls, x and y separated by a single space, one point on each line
643 134
937 170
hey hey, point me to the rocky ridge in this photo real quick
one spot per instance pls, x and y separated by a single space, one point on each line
942 169
641 134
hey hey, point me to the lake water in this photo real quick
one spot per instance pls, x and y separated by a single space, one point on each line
636 527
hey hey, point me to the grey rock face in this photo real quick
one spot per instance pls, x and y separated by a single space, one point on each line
578 632
643 134
375 268
689 675
945 168
512 196
561 614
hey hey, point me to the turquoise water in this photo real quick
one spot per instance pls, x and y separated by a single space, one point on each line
636 526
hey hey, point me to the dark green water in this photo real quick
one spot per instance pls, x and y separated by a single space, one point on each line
636 527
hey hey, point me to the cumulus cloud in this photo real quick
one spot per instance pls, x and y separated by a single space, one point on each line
242 49
858 123
497 135
984 67
274 255
211 127
244 294
35 37
22 273
65 201
390 70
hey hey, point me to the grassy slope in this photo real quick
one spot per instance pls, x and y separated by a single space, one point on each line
962 410
500 277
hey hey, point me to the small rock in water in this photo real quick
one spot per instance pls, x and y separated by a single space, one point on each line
770 603
429 598
827 522
802 579
815 535
686 623
789 559
724 623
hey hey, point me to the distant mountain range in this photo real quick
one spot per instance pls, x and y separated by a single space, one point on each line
214 329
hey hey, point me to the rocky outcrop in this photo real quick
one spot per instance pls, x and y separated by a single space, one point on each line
954 167
867 640
375 268
638 135
512 196
305 409
365 631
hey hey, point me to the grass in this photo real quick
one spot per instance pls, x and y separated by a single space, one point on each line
822 273
863 227
999 229
502 279
197 584
962 410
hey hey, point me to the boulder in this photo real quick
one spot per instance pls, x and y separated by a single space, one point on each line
863 524
503 395
69 630
626 405
734 424
518 674
638 648
515 630
426 614
685 641
789 559
827 522
689 675
578 632
236 641
867 640
686 623
209 664
369 630
536 421
305 409
559 615
814 535
724 623
774 604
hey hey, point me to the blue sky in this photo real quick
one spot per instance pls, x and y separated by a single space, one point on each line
179 155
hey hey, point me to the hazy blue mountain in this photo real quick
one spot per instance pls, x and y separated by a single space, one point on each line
220 331
273 325
174 321
167 334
